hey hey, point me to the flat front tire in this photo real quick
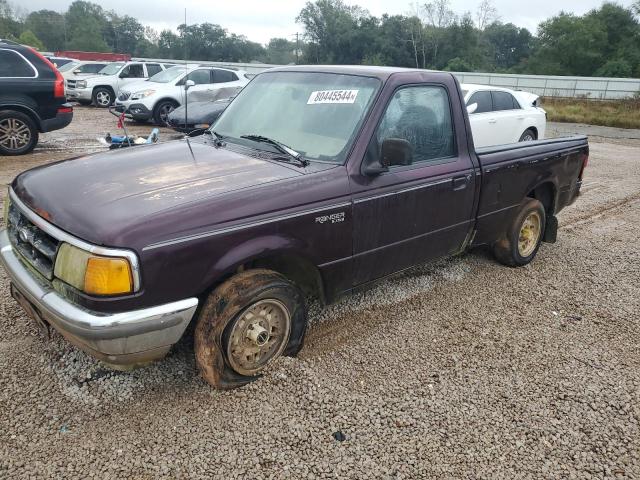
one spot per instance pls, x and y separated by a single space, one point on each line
245 324
523 237
18 133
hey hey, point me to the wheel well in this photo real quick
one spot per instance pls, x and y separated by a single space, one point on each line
545 193
534 130
27 111
106 87
295 268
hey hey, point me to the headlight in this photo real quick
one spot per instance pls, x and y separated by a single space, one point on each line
143 94
81 84
93 274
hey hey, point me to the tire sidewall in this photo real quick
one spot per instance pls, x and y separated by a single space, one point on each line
95 97
527 132
33 130
156 112
514 233
223 308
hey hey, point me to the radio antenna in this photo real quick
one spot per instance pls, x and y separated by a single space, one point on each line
186 99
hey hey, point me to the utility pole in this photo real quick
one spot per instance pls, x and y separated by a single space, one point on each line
297 47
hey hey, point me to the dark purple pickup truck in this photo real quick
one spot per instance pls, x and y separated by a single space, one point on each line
314 181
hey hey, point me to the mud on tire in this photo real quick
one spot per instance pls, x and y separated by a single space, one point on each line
510 250
228 305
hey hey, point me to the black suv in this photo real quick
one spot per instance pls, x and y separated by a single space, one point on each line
32 98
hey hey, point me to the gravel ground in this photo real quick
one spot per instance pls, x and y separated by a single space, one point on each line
463 368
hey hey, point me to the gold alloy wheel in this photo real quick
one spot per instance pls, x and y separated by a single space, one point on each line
258 336
529 234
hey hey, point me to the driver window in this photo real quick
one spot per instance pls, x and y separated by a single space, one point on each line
133 71
200 77
420 115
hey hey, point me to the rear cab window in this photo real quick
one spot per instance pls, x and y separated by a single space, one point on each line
14 65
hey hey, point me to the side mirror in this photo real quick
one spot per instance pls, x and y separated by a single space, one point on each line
123 74
396 151
77 71
188 84
472 108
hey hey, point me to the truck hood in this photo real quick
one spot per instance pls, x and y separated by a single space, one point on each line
100 197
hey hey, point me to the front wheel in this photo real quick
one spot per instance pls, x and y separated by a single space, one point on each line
246 323
161 112
103 97
18 133
523 237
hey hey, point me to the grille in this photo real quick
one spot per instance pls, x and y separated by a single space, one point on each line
71 83
34 245
124 96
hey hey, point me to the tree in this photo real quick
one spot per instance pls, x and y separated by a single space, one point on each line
280 51
486 14
50 27
28 38
507 44
9 25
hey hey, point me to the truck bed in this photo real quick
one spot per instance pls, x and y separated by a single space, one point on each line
549 170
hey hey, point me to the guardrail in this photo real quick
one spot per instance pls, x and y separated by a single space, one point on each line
593 88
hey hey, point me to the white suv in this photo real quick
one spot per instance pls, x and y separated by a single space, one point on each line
103 89
157 97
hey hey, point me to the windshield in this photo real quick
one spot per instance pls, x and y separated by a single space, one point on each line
315 114
167 75
68 66
111 69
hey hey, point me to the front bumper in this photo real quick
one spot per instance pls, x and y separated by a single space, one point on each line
136 111
79 94
120 339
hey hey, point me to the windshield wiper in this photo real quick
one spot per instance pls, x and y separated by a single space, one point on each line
281 147
217 138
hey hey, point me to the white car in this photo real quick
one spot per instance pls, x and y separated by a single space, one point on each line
499 116
81 68
157 97
103 88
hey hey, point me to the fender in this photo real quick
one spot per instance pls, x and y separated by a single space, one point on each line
16 105
251 250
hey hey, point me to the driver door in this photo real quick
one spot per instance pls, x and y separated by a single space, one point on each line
423 209
134 72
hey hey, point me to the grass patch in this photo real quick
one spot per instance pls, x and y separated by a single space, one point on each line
607 113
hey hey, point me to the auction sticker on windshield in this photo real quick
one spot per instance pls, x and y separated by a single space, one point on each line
332 96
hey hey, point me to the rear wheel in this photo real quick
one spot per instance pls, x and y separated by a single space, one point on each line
246 323
162 110
528 136
103 97
523 237
18 133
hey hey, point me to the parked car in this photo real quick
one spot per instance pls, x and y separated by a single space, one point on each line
79 68
156 98
501 116
59 61
198 116
317 180
32 98
103 88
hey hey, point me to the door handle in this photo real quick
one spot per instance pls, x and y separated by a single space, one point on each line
460 183
492 120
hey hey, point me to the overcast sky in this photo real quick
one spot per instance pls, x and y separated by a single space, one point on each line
260 20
